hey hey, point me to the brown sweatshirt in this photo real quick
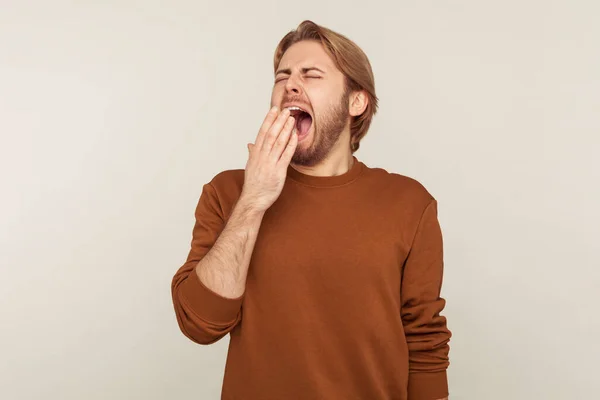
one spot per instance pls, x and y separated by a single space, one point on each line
342 298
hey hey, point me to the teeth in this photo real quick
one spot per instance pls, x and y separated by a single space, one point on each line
294 108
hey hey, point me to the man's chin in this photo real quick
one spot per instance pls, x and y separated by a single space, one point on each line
303 155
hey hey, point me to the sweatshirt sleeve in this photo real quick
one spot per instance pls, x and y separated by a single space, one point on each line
203 316
425 329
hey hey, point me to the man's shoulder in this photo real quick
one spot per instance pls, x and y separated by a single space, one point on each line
402 187
227 178
227 184
402 198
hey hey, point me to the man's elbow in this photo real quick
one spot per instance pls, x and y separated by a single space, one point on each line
203 315
202 332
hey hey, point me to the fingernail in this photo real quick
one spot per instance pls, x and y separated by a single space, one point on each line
274 109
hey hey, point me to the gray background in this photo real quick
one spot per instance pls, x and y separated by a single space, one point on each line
113 115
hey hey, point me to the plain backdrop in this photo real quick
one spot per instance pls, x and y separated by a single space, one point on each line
113 114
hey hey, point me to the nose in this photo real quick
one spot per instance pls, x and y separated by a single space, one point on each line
292 86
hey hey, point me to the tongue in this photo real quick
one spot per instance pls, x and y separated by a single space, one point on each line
303 124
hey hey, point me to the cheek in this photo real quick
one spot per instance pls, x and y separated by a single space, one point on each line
275 96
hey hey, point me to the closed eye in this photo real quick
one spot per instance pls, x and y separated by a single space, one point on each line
312 77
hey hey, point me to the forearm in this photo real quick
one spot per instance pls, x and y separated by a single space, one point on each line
225 267
426 331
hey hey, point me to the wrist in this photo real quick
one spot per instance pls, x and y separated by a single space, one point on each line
248 207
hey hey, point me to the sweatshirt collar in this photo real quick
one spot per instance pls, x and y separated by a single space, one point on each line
327 181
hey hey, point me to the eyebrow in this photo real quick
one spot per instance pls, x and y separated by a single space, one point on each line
304 70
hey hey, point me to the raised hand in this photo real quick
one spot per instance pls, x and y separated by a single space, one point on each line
268 159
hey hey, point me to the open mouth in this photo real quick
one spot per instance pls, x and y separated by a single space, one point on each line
303 120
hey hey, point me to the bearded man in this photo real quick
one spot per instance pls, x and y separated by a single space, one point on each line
325 272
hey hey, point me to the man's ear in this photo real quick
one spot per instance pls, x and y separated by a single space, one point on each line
358 103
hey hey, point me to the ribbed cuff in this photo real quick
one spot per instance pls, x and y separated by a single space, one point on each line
208 305
427 385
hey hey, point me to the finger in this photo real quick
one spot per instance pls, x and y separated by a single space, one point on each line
282 139
289 150
268 121
271 135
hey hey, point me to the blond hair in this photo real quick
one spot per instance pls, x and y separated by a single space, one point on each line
349 59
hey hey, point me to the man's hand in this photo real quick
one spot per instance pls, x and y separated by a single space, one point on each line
268 160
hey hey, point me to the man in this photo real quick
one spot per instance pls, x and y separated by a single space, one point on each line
325 272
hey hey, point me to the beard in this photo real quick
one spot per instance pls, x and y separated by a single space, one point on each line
327 130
